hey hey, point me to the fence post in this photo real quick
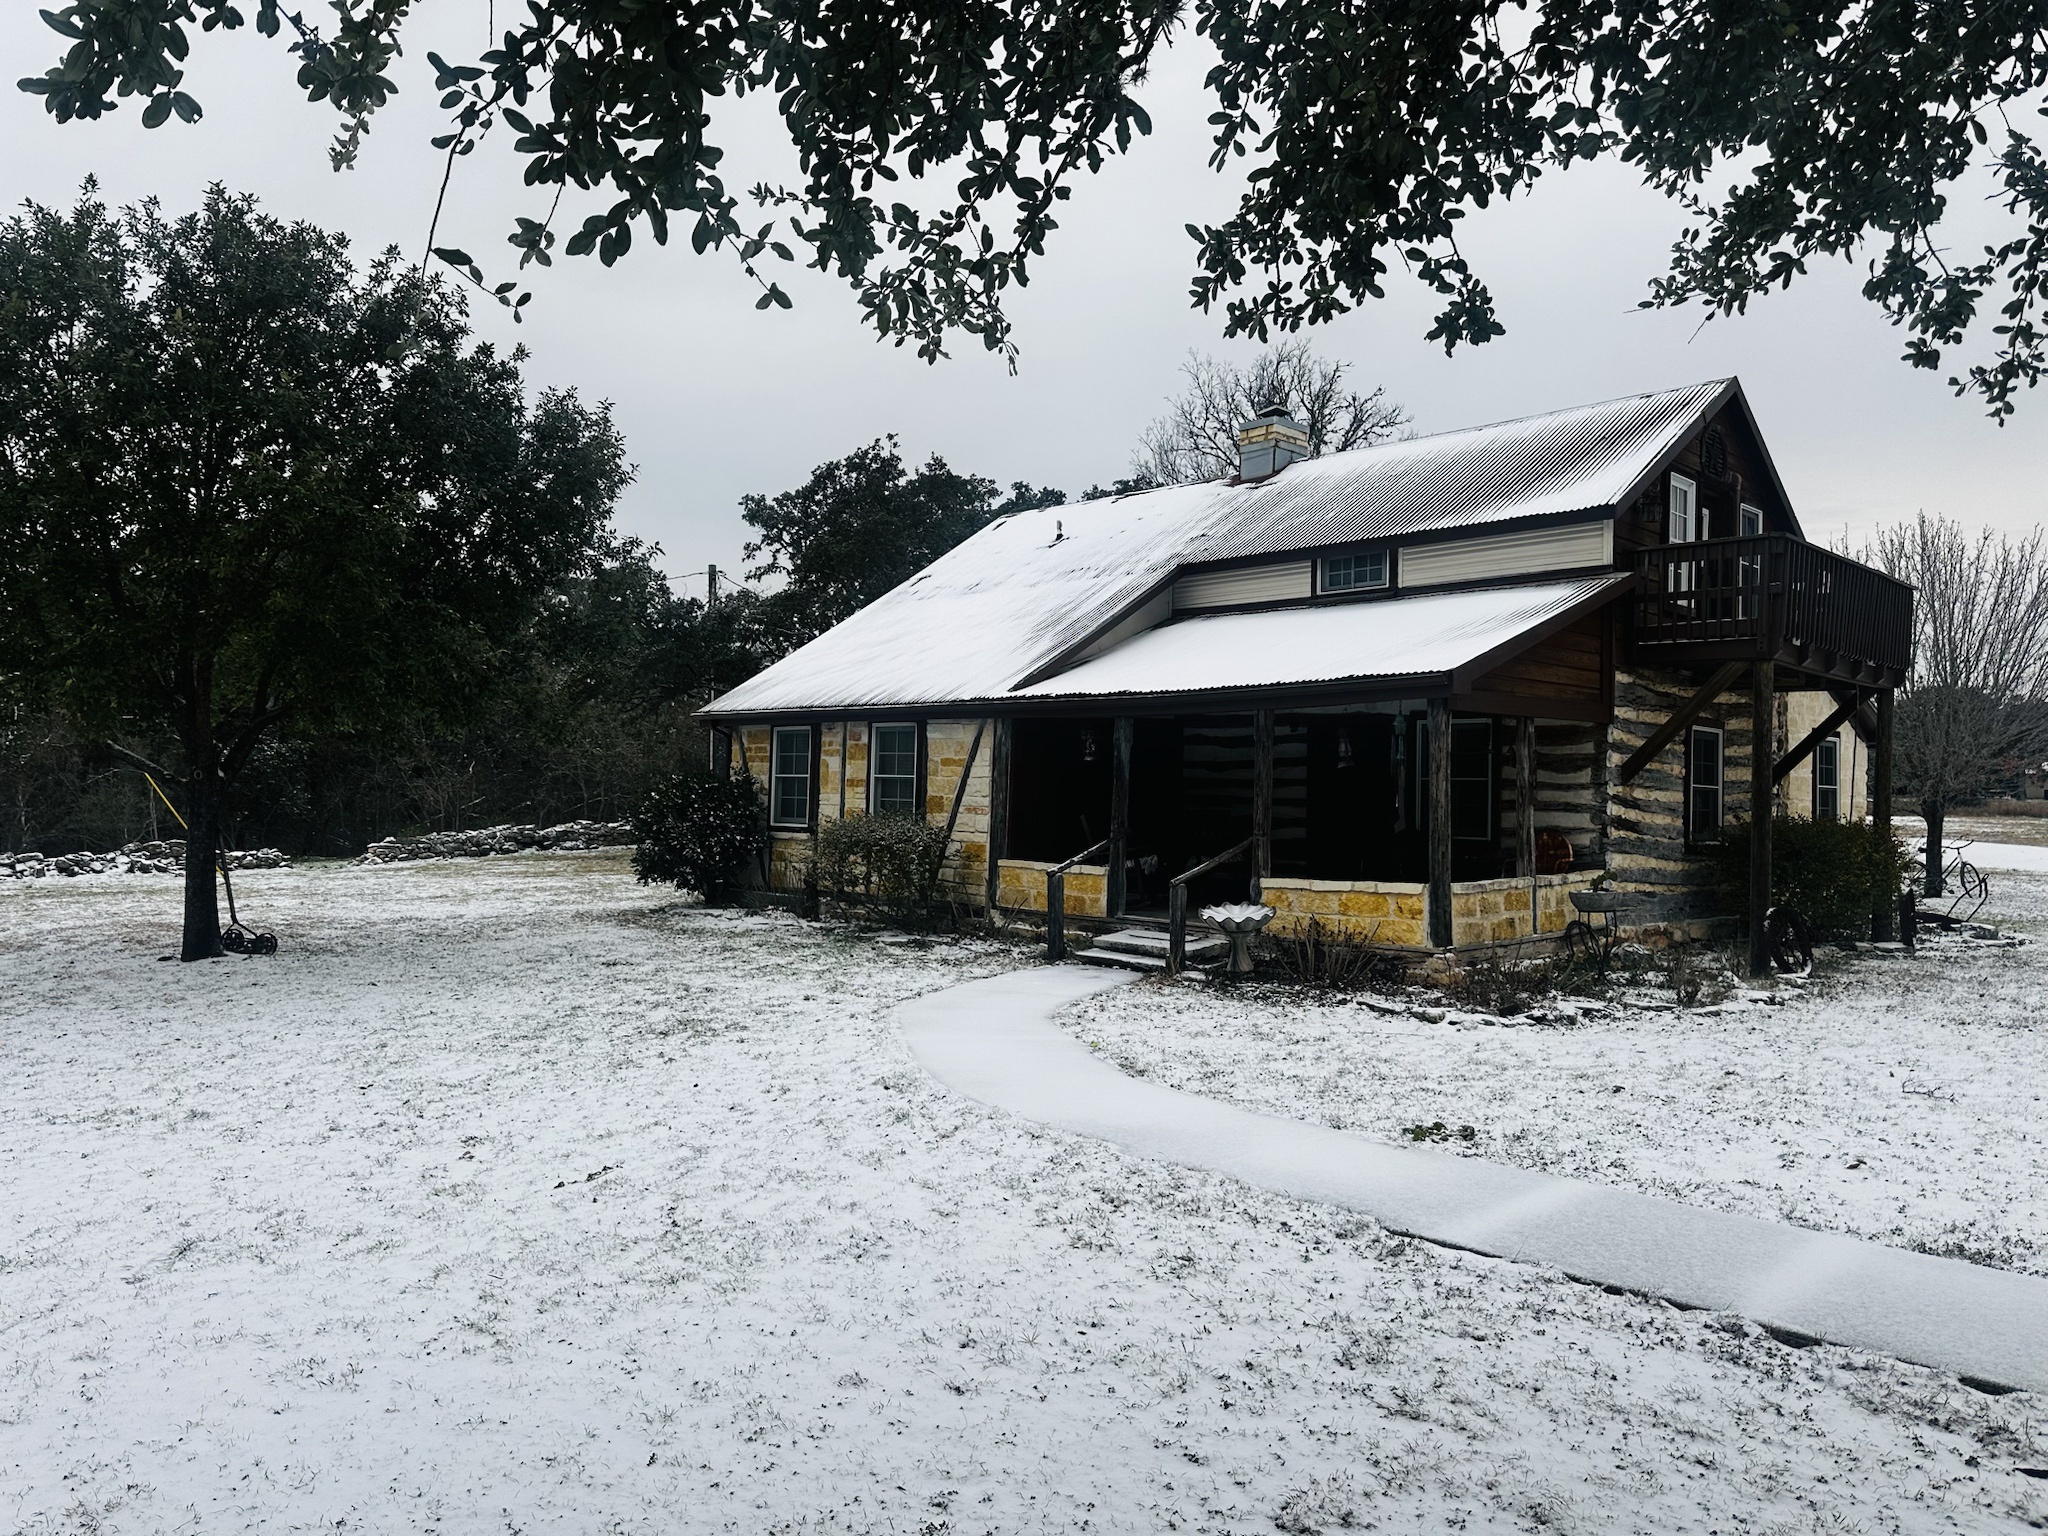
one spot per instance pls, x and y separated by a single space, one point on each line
1176 927
1055 916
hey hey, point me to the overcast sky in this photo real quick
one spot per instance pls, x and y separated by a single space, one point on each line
717 399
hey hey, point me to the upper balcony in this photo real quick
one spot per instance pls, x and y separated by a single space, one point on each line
1773 597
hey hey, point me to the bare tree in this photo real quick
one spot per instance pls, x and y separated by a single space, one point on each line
1972 712
1197 437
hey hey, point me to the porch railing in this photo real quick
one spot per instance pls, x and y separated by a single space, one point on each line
1774 597
1056 901
1177 904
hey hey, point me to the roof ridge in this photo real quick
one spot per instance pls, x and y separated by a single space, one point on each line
1510 421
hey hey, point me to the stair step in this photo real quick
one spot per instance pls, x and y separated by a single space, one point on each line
1151 942
1120 957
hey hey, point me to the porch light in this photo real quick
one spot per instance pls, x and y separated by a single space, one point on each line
1344 749
1087 746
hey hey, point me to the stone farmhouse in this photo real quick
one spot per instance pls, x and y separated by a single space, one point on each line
1419 691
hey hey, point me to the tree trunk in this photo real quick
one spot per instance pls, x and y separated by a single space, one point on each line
1934 812
202 852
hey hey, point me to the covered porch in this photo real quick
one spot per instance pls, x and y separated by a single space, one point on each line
1403 823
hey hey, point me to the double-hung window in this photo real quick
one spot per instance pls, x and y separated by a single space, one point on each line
1360 571
1827 780
789 777
1682 526
892 774
1751 574
1703 784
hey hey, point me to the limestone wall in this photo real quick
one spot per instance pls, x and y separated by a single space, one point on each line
1021 887
1362 911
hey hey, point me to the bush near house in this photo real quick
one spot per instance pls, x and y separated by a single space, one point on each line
696 832
891 861
1836 873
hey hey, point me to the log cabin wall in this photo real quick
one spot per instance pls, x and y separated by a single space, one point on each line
1571 665
1570 796
1648 853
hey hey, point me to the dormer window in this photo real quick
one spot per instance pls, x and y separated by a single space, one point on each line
1358 572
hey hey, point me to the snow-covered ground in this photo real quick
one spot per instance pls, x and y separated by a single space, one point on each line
511 1196
1900 1098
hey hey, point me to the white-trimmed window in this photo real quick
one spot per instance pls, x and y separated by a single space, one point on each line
1360 571
1683 526
1703 784
1827 780
892 769
1752 520
789 777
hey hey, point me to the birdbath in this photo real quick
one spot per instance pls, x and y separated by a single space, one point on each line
1239 920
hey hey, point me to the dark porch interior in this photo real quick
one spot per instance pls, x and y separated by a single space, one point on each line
1350 797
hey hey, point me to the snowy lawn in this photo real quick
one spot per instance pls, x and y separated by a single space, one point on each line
513 1197
1899 1098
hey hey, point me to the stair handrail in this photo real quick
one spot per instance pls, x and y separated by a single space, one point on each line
1177 904
1056 901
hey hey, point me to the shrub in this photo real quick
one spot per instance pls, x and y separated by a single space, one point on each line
891 861
1487 983
1836 873
696 832
1316 954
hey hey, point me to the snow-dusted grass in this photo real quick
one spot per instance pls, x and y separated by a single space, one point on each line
511 1196
1899 1098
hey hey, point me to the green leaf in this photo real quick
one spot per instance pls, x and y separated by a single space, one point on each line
157 112
453 256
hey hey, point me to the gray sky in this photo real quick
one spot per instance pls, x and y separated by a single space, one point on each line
717 399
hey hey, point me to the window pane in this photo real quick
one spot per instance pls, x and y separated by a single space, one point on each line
893 783
1703 775
1472 778
1346 573
790 793
1827 781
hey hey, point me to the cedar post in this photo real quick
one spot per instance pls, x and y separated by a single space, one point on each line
1440 926
1262 795
1055 916
1119 811
1883 918
998 807
1763 714
1525 812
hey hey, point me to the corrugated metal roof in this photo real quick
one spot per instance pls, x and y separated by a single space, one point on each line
1429 635
1029 590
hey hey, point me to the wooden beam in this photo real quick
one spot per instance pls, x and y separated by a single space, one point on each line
1681 717
1525 808
1813 739
1439 791
1262 792
1121 735
1884 920
1763 711
998 805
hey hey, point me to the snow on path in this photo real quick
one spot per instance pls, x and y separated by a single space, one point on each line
993 1040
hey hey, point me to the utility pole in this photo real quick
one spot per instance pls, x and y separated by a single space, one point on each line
711 584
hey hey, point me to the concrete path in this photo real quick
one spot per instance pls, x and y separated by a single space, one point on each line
994 1041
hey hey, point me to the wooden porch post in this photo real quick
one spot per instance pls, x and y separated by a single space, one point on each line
1762 721
998 806
1262 792
1119 810
1439 904
1883 921
1525 811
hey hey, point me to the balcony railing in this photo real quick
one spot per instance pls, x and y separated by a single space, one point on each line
1774 598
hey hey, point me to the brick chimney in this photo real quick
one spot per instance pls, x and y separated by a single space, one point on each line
1269 442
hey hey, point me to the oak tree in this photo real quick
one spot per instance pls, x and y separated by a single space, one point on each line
245 489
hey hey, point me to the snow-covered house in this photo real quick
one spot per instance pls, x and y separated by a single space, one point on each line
1423 689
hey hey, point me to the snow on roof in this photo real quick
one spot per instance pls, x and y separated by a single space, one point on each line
1028 590
1430 635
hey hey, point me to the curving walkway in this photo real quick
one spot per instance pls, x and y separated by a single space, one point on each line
994 1041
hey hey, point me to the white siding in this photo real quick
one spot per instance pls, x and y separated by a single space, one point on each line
1508 554
1274 583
